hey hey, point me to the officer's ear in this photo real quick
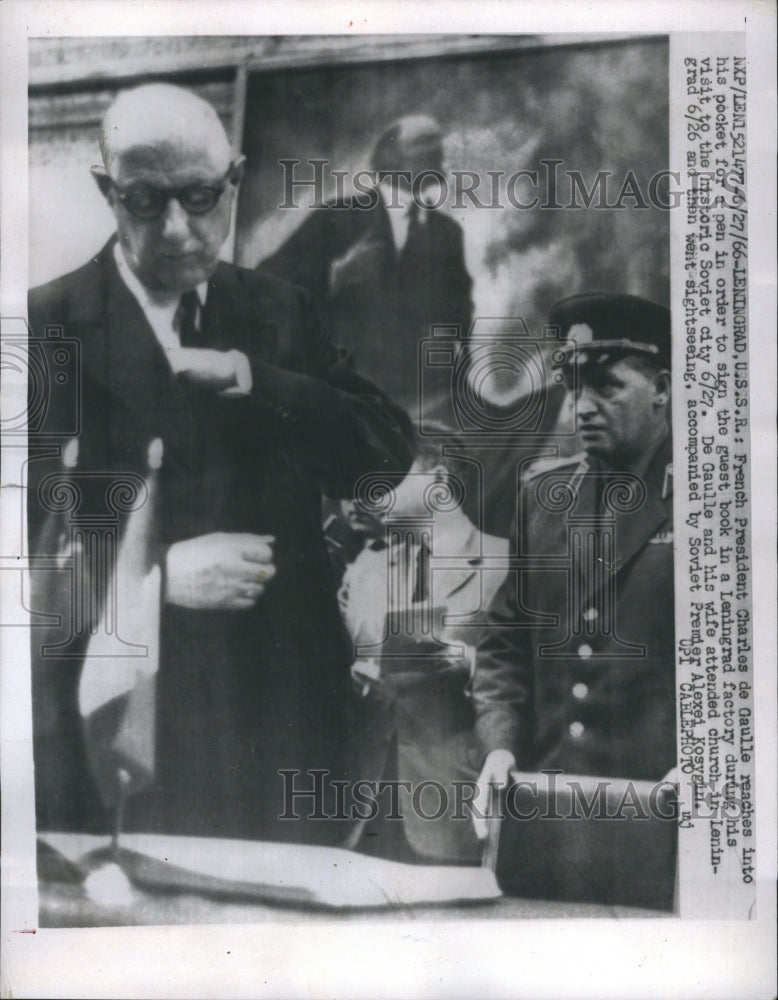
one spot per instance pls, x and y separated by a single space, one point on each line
237 166
103 181
662 385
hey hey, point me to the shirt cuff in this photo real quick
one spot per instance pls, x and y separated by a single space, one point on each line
244 382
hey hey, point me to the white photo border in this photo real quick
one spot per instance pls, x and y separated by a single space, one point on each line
667 958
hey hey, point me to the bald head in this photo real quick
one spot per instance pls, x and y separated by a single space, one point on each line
414 142
158 116
170 181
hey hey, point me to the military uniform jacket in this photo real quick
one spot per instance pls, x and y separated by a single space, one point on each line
240 695
576 670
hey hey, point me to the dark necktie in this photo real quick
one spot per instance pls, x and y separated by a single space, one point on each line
412 239
421 583
186 320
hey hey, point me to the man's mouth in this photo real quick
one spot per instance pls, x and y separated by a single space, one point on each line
184 255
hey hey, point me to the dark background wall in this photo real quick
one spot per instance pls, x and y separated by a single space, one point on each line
595 107
506 103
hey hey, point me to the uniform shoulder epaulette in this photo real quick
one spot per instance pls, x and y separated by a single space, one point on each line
578 463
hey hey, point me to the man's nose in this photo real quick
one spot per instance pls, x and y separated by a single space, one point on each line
175 221
585 401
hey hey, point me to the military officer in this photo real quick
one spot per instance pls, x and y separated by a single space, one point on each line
576 668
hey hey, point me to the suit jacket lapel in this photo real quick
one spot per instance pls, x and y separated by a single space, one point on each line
136 369
122 354
231 320
383 230
378 226
116 340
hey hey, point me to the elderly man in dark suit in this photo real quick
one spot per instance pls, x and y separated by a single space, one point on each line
576 670
258 416
384 265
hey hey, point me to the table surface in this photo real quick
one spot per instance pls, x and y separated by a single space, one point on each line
64 904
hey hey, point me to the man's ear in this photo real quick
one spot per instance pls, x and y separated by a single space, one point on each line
662 383
236 170
102 180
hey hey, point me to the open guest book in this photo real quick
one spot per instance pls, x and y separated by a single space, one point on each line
288 874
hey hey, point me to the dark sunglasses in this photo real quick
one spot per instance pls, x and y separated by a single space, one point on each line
144 201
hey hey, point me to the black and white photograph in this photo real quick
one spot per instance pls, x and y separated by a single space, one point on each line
388 501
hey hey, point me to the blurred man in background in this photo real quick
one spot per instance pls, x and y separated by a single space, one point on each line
384 265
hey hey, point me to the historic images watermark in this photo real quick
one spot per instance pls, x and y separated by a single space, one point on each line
549 794
552 186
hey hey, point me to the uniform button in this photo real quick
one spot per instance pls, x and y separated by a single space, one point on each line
585 650
590 615
580 691
576 729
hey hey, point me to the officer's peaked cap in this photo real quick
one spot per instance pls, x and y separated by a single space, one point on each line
607 326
